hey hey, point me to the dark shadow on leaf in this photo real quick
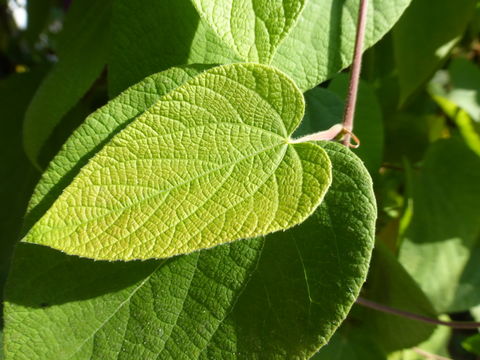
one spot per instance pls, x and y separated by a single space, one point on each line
41 272
158 36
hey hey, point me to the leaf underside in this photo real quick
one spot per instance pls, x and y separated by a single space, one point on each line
256 34
209 163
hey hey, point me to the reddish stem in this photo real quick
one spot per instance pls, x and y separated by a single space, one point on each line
355 74
406 314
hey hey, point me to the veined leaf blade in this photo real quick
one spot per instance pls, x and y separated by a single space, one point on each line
209 163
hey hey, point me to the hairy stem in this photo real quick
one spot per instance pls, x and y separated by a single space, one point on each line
355 74
406 314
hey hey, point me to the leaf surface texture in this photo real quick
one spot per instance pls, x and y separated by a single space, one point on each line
209 163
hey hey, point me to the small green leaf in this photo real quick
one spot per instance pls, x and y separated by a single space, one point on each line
252 28
211 162
420 46
82 55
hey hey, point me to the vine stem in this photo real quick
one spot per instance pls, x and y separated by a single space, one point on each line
351 100
406 314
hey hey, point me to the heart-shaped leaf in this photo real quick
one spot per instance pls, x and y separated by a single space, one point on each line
209 163
252 28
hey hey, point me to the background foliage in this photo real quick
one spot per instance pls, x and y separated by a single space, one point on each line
418 119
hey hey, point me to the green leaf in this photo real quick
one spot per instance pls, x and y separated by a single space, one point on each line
197 304
210 162
96 131
170 32
420 45
105 291
441 248
368 124
82 53
252 29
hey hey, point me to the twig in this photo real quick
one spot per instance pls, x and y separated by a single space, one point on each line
406 314
355 74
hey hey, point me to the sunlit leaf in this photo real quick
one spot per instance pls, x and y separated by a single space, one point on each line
209 163
252 29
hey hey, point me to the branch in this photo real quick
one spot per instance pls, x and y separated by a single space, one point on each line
355 74
406 314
